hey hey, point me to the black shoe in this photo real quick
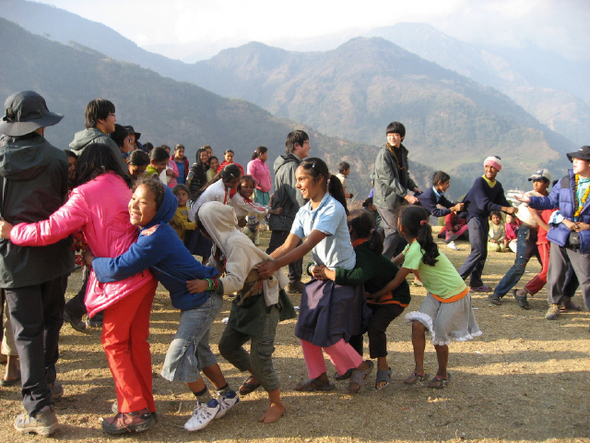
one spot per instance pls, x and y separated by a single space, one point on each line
76 322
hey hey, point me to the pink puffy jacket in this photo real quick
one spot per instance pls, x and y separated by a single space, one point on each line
99 208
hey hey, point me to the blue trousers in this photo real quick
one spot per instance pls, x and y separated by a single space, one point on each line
475 261
525 249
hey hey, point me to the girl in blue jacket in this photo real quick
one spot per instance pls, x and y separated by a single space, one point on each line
158 248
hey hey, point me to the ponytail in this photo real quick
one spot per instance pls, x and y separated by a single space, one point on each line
363 226
414 220
317 167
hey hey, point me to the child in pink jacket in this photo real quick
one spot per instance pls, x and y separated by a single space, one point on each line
98 206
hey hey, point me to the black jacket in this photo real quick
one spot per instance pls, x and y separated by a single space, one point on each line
35 184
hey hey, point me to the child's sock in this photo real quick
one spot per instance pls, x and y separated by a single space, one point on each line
203 396
226 389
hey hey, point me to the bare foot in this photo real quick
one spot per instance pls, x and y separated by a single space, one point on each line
276 410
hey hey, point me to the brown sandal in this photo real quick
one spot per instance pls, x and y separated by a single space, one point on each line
416 378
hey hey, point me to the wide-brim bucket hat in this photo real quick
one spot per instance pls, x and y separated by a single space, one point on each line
25 112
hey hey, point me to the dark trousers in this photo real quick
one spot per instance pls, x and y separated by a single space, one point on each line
392 238
382 316
559 258
277 238
36 317
475 261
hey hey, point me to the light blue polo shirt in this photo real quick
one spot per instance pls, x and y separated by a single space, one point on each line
334 251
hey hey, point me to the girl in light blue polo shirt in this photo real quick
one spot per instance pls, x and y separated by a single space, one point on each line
330 314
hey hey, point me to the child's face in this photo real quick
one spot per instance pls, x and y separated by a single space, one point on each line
203 156
182 197
214 164
159 166
247 189
136 171
229 157
179 154
442 187
509 219
346 172
310 188
263 157
496 219
142 206
491 172
540 186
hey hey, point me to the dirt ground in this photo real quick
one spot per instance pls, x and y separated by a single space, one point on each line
524 379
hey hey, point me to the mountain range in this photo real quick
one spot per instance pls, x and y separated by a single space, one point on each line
351 92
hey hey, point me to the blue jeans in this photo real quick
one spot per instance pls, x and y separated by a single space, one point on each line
475 261
189 351
525 249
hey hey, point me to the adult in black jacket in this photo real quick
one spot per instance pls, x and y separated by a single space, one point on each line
34 177
197 176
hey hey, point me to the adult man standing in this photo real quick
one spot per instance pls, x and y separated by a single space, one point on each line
100 123
286 196
392 183
34 184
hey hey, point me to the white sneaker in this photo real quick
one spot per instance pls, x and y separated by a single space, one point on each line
452 245
227 401
202 415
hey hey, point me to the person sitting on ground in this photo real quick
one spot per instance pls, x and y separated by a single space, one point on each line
496 233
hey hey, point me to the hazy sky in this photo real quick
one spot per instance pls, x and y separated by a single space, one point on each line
551 24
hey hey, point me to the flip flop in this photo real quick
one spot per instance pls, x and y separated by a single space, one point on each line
359 376
248 386
313 384
521 299
383 376
434 383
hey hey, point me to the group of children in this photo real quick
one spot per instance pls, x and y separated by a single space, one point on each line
354 288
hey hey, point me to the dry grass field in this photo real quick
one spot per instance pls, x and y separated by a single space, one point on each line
525 379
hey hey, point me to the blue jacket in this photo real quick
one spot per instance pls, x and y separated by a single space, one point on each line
563 198
428 200
164 253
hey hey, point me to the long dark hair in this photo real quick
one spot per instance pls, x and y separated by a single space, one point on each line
363 226
200 164
229 172
414 220
96 160
259 151
315 167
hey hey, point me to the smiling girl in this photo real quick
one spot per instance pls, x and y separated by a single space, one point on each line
158 248
98 206
330 314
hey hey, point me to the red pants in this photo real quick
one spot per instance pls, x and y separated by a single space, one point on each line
126 327
538 282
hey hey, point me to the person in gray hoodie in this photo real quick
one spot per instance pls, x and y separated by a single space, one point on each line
100 123
33 184
286 196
